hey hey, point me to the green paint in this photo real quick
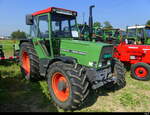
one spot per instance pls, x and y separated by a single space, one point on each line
91 51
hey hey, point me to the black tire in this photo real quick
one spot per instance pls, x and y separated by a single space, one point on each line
119 71
134 75
34 74
77 82
1 53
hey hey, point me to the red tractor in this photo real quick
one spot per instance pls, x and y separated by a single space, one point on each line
138 56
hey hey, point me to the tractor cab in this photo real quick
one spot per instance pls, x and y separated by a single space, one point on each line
138 34
50 26
111 35
98 34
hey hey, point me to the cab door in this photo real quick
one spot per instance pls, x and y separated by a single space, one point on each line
42 42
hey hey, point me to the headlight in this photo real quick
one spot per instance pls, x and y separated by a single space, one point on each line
108 62
132 57
100 65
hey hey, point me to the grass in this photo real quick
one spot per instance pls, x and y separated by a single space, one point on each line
19 95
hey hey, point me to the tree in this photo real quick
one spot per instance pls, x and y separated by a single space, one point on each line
148 22
107 25
97 24
18 34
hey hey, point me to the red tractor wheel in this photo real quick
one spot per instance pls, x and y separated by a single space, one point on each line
68 86
140 71
60 86
26 63
29 62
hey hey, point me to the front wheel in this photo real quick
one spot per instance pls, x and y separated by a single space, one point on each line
118 71
68 85
140 71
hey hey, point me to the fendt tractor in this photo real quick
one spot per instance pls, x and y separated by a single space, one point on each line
138 34
71 66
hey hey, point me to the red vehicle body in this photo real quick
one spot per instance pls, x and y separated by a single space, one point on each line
138 56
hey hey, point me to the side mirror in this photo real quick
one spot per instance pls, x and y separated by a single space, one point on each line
29 19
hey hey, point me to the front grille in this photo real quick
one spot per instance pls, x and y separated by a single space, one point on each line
105 50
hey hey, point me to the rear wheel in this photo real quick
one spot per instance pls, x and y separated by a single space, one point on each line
68 85
140 71
29 62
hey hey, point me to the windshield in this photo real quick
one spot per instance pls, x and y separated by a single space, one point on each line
131 33
148 32
116 33
109 33
64 26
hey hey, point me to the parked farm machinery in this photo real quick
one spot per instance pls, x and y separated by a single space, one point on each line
8 51
134 52
136 56
71 66
111 36
138 34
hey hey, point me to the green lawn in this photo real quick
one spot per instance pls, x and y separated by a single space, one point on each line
17 94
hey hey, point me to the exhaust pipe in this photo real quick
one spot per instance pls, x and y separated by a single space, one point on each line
91 21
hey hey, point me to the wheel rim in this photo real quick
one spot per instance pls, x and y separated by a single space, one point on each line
141 72
62 94
26 62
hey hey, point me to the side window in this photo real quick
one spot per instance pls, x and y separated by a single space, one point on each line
43 27
65 28
33 28
74 30
55 28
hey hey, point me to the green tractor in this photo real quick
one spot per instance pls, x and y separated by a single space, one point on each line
84 31
98 34
111 35
138 34
71 66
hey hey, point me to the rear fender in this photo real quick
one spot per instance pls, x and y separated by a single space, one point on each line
25 40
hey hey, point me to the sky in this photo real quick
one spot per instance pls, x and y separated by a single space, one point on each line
120 13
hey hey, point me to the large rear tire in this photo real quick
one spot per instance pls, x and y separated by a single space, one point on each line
29 62
140 71
68 85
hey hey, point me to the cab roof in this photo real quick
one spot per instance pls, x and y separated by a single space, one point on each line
138 26
50 10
